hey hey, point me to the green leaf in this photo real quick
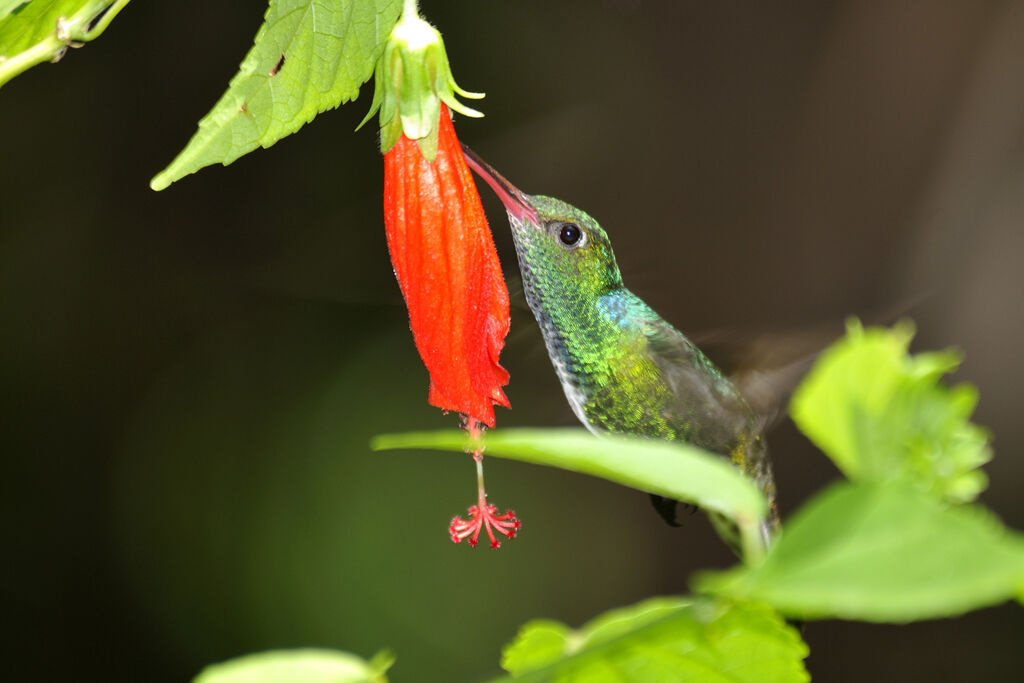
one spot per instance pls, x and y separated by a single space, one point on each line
538 644
308 56
662 639
670 469
37 31
298 666
882 415
8 6
881 552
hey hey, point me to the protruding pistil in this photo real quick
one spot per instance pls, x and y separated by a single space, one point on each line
483 515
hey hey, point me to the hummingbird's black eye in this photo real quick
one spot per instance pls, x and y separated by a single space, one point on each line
570 234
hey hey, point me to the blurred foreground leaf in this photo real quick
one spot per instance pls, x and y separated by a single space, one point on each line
662 639
307 57
37 31
881 552
882 414
670 469
298 666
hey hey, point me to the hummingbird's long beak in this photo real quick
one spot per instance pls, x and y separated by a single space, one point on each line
517 203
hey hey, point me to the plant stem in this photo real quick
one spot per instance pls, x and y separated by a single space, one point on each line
69 32
105 20
43 51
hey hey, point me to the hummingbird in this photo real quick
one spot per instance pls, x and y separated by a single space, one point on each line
624 369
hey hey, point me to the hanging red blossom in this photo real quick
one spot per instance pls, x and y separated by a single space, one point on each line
441 247
448 270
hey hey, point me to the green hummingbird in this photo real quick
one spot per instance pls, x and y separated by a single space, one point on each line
623 368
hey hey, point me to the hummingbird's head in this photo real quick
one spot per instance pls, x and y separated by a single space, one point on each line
564 255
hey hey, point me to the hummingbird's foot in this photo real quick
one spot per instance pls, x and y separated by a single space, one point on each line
484 516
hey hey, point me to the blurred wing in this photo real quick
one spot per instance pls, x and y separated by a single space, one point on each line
705 402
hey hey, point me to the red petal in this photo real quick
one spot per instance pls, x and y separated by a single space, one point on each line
448 270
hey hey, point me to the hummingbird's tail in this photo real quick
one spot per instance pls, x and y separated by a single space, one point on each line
754 462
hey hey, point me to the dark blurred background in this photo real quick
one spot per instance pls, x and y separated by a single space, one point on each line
190 378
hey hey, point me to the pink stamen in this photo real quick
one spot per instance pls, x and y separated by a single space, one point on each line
483 515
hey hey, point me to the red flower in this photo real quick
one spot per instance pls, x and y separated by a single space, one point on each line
448 270
441 247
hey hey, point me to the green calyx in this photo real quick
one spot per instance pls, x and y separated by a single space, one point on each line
411 79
